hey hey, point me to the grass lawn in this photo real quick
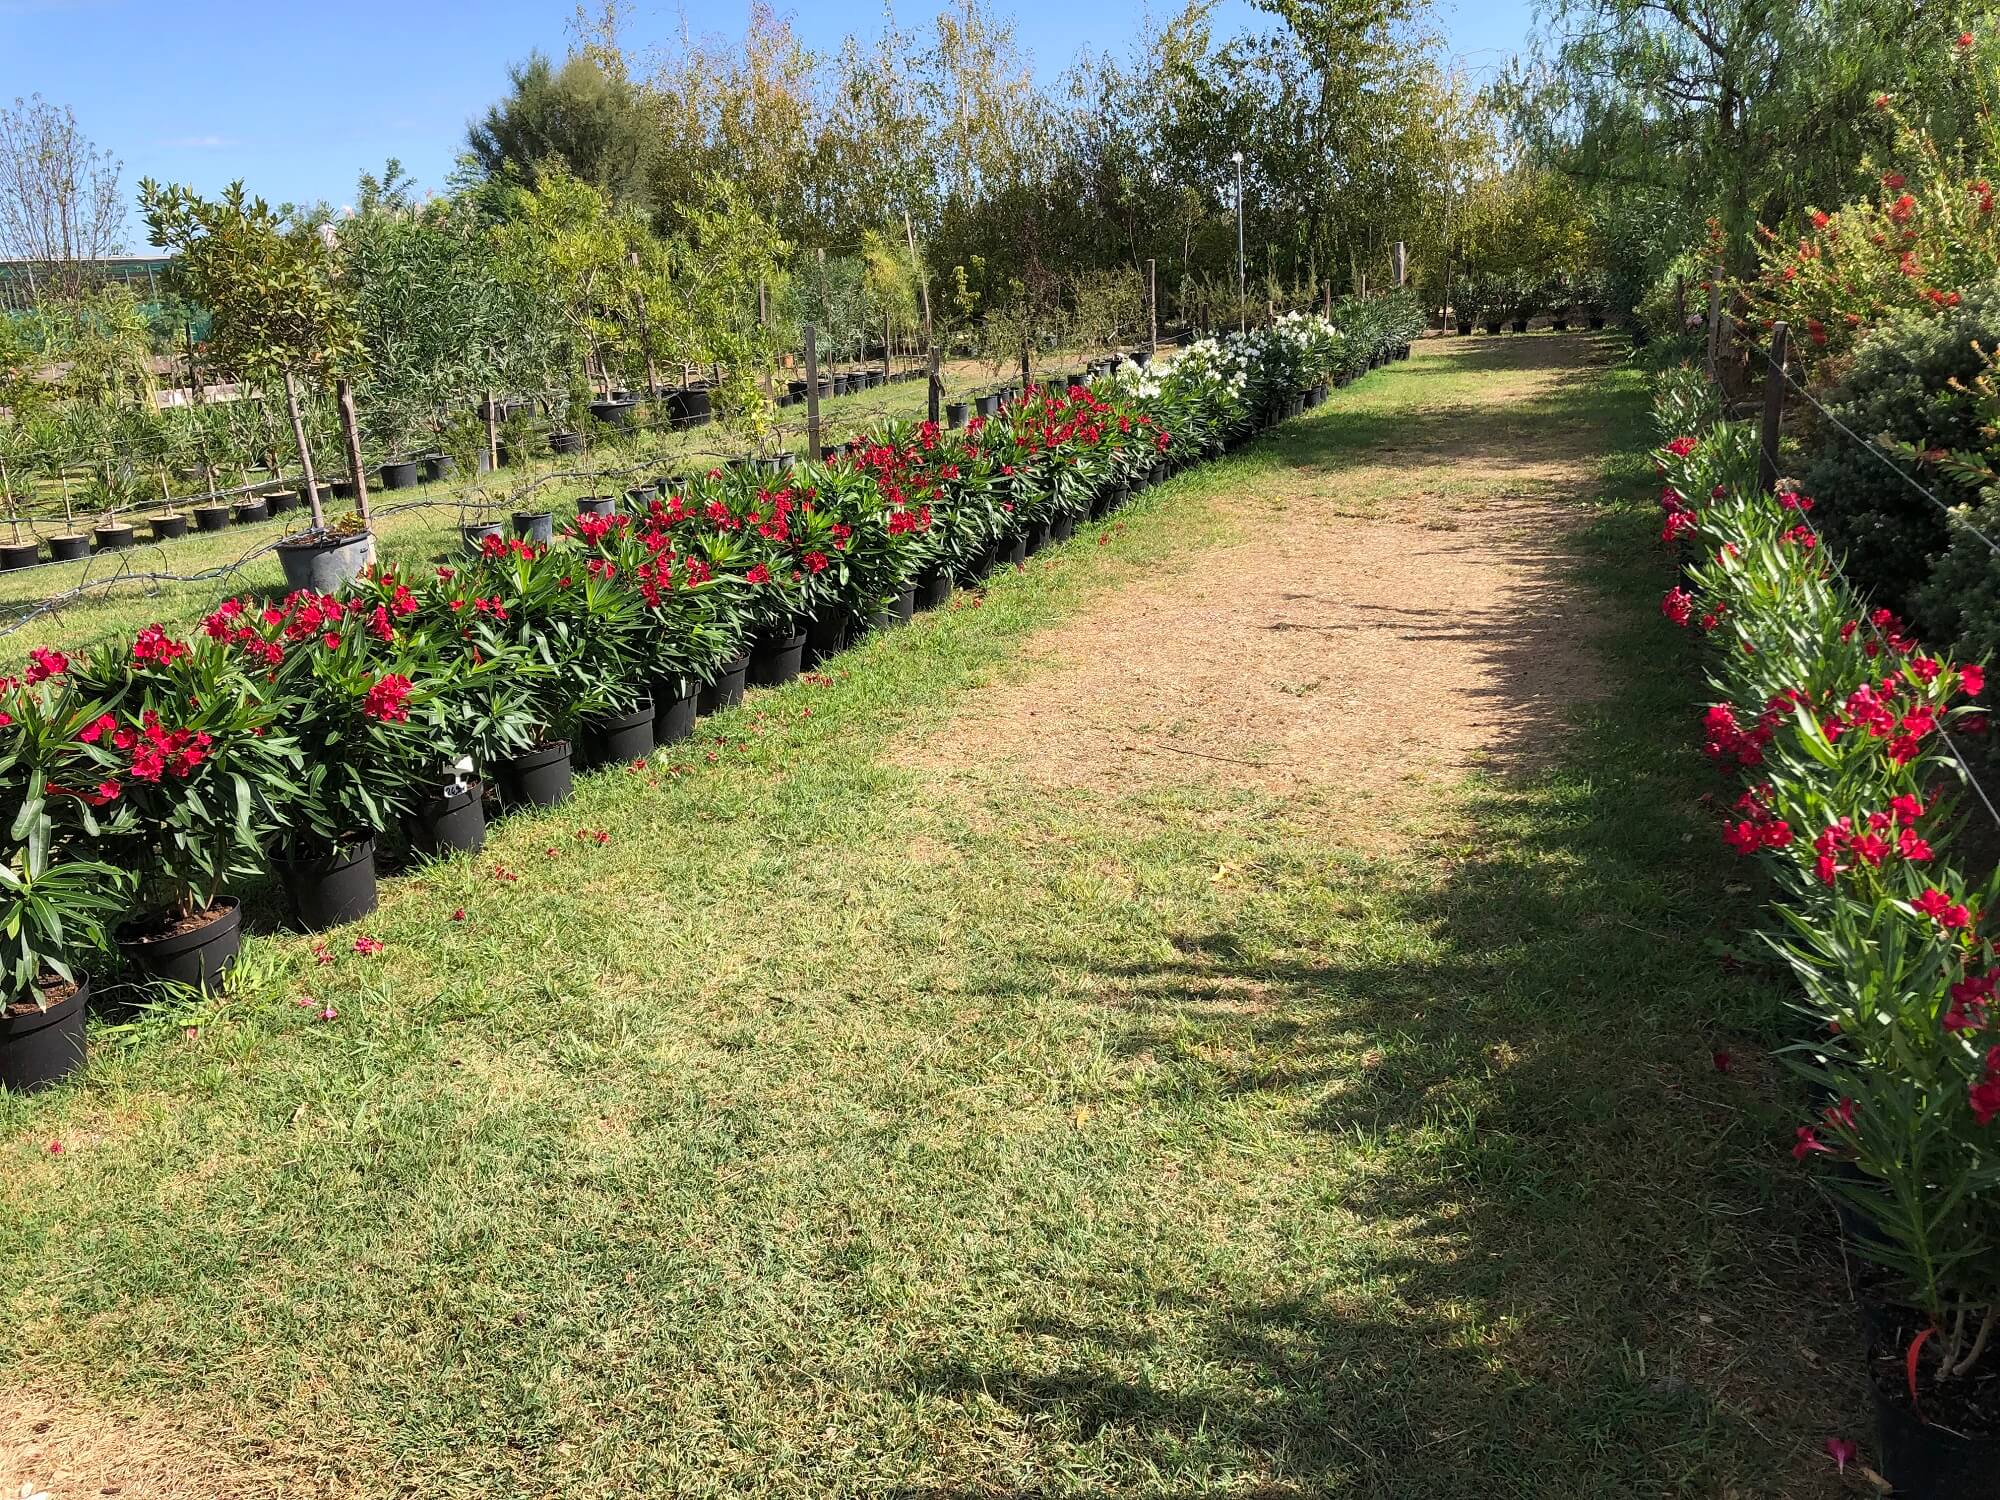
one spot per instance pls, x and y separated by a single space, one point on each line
851 1126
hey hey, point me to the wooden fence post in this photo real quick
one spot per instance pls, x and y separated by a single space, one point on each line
937 386
1774 408
812 393
1026 377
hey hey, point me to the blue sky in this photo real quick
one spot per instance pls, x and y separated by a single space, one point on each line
297 97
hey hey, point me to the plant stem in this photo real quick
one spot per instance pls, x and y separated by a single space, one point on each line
1979 1343
305 450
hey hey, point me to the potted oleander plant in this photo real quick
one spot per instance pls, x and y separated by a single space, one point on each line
58 896
201 753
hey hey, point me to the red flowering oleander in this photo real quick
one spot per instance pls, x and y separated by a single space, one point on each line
1843 725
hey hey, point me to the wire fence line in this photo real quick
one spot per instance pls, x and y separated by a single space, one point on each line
1830 556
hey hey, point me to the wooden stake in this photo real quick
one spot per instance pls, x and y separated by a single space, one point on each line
305 450
1774 408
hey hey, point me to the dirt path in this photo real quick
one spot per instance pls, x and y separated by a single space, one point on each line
1397 613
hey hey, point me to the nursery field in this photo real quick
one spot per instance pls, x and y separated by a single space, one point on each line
1227 1008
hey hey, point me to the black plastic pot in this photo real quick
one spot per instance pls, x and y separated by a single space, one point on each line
1062 528
1560 325
776 657
169 526
641 497
1520 325
325 567
616 413
1464 329
988 405
954 414
332 889
595 505
564 444
692 405
400 475
534 526
840 385
1922 1462
621 738
198 957
474 536
439 466
249 512
1493 326
1037 537
211 517
675 703
70 547
342 489
452 821
1012 553
933 589
903 607
115 537
538 778
1597 322
827 637
726 691
19 555
40 1047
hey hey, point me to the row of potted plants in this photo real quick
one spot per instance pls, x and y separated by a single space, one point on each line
1843 735
153 783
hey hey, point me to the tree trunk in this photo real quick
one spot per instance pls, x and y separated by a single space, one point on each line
350 432
305 450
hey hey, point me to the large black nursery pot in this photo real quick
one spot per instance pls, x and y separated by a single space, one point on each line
323 564
903 608
595 505
1464 330
401 474
954 414
676 700
1012 552
1492 325
536 778
40 1047
330 890
19 555
620 738
115 537
250 512
934 588
534 526
1922 1461
989 405
168 526
474 535
71 545
1520 325
641 497
725 690
776 657
450 821
197 954
827 636
1037 536
439 466
565 444
616 413
1062 528
1596 322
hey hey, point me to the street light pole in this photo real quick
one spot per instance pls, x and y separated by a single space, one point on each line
1242 288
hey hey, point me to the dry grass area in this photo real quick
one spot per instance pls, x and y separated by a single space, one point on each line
1397 608
65 1447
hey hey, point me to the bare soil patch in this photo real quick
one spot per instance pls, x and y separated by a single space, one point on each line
67 1448
1400 617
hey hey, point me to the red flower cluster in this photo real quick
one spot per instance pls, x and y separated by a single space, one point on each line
154 647
1882 836
1947 913
1758 827
157 751
387 699
1677 605
1725 739
1984 1096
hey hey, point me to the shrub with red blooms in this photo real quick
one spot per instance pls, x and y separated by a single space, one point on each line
292 729
1841 726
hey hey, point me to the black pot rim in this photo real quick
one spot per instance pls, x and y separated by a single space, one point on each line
632 720
768 640
326 864
28 1022
328 544
228 914
539 756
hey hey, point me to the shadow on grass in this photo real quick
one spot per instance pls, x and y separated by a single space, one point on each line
1580 1266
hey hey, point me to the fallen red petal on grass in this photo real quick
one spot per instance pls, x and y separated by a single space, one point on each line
459 915
1724 1062
55 1148
367 946
322 955
1841 1451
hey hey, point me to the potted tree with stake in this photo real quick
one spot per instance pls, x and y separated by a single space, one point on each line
15 552
276 314
56 897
